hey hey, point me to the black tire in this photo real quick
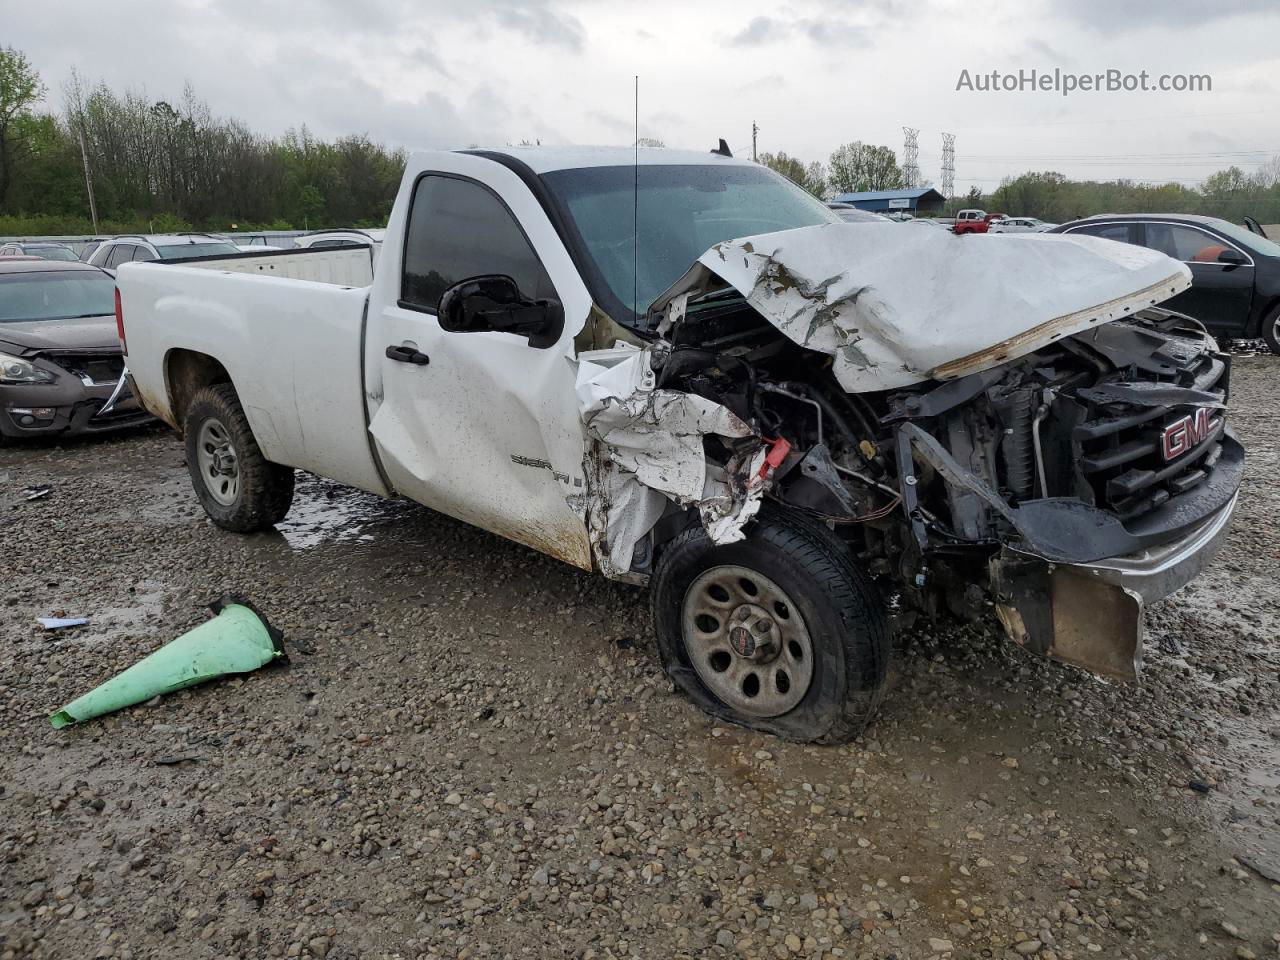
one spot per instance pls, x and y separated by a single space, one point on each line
840 609
1271 331
263 491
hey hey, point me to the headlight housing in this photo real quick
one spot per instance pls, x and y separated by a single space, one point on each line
20 370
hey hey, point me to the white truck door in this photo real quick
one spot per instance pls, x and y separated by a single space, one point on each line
478 425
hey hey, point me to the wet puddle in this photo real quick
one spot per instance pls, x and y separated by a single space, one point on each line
325 512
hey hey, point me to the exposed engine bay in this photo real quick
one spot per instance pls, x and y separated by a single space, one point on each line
983 494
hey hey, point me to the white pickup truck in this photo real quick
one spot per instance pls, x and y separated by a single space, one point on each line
687 372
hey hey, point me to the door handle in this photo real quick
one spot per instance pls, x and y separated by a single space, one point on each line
405 354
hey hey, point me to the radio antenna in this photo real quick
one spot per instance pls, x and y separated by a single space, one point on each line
635 213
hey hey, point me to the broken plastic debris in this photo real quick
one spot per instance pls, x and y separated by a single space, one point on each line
237 640
651 445
38 491
61 623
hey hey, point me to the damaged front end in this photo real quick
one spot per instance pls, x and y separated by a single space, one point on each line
1099 474
1058 470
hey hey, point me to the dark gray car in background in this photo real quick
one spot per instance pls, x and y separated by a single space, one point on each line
1235 271
62 369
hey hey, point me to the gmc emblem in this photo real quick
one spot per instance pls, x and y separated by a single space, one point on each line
1182 435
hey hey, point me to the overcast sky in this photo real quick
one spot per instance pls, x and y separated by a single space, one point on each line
811 74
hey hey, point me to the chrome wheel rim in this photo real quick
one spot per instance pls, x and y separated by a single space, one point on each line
747 641
216 457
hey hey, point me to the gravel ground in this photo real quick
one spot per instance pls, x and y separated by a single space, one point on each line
473 753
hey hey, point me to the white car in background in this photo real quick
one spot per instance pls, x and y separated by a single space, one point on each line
172 246
1019 225
346 237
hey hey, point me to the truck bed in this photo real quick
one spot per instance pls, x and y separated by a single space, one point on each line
344 266
287 329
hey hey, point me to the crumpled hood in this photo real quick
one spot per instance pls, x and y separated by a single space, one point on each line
897 304
81 333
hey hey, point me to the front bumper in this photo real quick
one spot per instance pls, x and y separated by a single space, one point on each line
1092 615
69 407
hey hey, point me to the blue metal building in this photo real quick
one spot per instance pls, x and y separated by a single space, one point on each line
922 199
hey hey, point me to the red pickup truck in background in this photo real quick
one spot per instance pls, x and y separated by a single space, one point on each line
974 221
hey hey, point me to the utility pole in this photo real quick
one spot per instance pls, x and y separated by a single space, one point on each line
88 182
910 157
754 131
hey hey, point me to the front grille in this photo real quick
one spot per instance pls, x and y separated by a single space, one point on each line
99 368
1121 446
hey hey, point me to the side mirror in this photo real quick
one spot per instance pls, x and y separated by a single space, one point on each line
1231 256
495 303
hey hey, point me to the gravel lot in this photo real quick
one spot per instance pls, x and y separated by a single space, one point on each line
474 754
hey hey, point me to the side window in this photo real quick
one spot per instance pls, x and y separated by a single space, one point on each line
458 230
335 243
1184 243
1108 231
120 253
143 254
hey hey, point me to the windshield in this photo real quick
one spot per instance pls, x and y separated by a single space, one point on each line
212 248
52 253
55 295
1248 239
683 211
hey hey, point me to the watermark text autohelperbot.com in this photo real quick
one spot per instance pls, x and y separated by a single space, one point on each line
1066 83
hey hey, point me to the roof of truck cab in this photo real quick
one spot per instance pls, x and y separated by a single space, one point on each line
547 159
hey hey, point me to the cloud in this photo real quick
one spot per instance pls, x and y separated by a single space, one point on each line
1111 17
759 31
540 23
823 31
834 33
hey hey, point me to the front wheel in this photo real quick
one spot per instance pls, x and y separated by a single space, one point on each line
780 632
240 489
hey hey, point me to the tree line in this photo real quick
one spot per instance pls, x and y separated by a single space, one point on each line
163 166
1232 194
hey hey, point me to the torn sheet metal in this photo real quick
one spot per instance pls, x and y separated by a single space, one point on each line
729 503
895 306
649 453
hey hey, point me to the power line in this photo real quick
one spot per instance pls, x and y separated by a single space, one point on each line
1144 119
1147 180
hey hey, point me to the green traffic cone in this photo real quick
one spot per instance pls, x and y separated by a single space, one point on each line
237 640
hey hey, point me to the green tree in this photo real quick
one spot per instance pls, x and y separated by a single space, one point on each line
309 207
811 176
856 167
20 88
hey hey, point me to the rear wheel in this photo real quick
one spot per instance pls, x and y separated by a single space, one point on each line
780 632
239 488
1271 330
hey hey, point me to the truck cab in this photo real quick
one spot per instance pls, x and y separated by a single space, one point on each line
971 221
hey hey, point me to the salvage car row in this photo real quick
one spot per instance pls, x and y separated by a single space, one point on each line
62 367
106 251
